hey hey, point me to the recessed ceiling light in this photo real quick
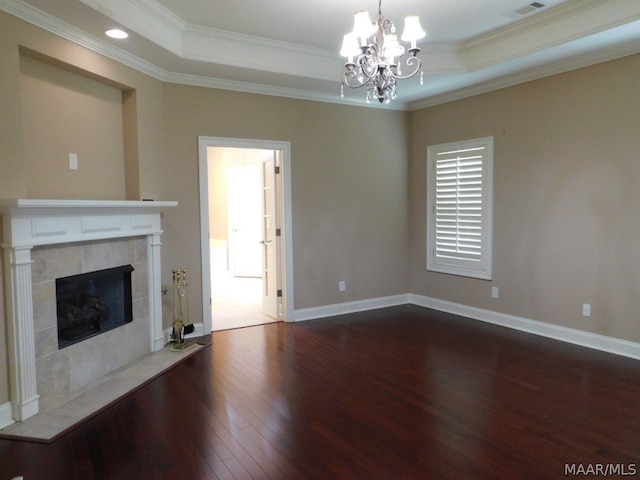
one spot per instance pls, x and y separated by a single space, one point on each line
116 33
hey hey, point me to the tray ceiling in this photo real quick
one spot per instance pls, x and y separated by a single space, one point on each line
290 48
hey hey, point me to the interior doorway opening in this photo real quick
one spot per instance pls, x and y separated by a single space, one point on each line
245 217
238 204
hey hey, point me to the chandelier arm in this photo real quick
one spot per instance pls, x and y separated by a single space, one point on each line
409 63
353 74
346 82
363 70
369 73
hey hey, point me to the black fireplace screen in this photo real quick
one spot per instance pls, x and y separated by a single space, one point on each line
92 303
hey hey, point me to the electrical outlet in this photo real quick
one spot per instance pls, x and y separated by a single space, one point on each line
494 292
342 285
586 310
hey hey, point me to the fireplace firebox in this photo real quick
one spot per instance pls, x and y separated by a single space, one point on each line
92 303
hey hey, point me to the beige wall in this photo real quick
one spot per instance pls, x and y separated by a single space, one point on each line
349 187
566 177
219 161
17 154
79 80
218 211
13 177
63 113
349 169
566 196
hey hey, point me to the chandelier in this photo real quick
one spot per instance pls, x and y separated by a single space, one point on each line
376 63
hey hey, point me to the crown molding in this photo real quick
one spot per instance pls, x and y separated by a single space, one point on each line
556 26
550 28
555 68
284 92
462 57
54 25
193 42
64 30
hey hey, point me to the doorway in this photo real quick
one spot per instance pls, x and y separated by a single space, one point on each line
245 222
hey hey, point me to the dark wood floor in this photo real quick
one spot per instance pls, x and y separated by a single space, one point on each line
400 393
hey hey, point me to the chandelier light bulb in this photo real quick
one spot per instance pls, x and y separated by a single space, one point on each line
412 30
392 47
363 27
350 47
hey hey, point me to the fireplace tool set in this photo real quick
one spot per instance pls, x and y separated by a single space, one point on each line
181 324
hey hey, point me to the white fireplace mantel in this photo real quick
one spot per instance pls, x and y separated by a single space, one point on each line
27 223
33 222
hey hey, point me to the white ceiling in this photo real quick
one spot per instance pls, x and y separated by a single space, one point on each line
289 47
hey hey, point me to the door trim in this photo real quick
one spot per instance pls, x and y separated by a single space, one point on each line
286 224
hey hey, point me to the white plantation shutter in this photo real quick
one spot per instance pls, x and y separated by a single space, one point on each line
459 207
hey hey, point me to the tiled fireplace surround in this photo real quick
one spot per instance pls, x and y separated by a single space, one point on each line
47 239
59 372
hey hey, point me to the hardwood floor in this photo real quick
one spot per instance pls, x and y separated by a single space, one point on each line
398 393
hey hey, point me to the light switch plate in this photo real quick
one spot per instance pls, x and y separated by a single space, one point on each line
73 161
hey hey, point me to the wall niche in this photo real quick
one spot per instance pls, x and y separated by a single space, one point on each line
69 111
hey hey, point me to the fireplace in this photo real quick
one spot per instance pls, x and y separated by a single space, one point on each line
43 240
92 303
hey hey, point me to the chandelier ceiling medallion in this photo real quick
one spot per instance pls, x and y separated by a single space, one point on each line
376 63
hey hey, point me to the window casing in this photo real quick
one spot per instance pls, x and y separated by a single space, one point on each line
459 207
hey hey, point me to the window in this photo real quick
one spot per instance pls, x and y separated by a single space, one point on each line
459 207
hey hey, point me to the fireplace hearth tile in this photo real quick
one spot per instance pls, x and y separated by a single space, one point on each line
52 374
101 255
40 266
140 249
87 361
46 342
44 304
63 261
97 356
137 332
58 417
140 281
114 351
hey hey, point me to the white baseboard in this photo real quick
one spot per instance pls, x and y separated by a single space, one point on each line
556 332
6 415
349 307
564 334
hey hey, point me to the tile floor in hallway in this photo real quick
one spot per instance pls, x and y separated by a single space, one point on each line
237 302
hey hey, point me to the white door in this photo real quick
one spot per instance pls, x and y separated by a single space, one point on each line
270 239
245 212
